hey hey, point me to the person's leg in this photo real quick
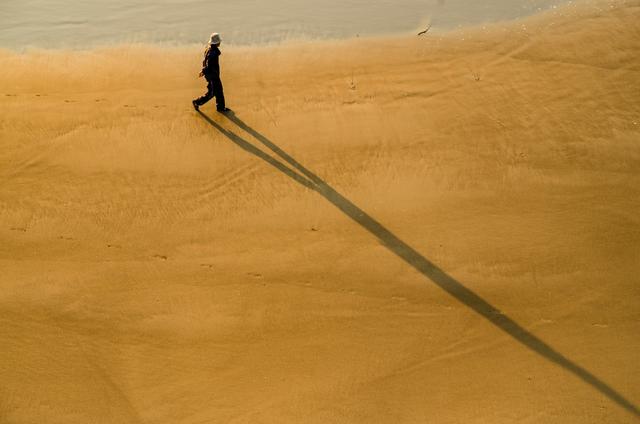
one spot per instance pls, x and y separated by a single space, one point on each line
207 96
219 93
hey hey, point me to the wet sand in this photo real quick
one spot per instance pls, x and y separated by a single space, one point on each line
387 230
94 23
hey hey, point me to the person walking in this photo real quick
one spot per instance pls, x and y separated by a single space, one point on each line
211 72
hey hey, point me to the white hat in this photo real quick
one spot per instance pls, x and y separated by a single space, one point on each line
215 39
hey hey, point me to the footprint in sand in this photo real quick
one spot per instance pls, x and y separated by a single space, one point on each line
65 238
206 266
254 275
21 229
162 257
114 246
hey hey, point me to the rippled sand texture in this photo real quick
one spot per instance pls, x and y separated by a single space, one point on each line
286 264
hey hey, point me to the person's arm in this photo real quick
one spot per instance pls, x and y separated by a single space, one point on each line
205 62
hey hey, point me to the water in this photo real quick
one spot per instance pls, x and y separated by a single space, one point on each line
88 23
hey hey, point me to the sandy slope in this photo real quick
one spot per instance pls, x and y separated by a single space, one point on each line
158 270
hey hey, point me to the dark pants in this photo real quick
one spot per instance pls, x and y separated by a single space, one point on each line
214 89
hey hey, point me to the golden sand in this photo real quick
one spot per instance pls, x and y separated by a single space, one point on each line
286 264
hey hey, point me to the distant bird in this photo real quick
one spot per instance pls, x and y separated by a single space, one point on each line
425 31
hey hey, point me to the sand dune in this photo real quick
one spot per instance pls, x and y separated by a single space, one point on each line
286 264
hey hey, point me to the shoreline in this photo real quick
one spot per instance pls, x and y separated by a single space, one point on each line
575 9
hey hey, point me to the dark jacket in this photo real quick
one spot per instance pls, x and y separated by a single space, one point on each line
210 64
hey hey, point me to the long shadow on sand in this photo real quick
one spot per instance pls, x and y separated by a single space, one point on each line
415 259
